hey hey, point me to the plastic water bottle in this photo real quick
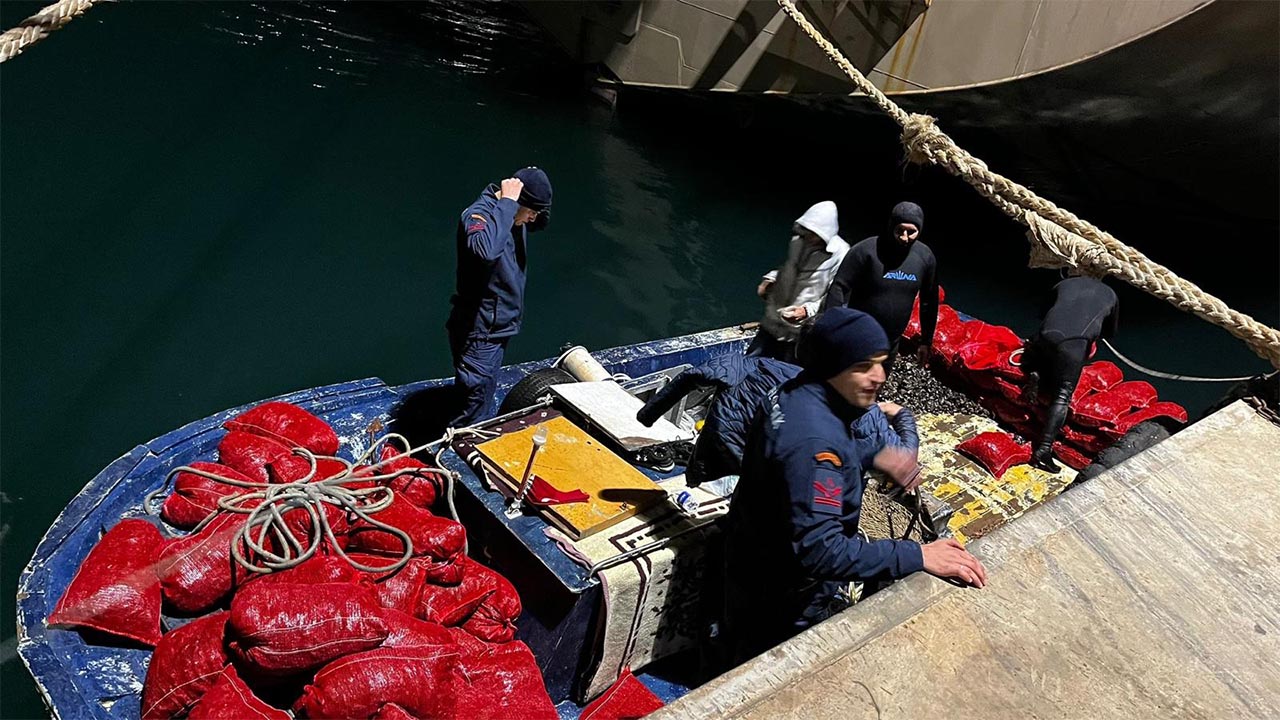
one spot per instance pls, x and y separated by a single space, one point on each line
687 503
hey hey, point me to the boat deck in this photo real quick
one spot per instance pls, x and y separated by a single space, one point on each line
1147 592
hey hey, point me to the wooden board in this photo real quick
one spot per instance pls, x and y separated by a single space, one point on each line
573 460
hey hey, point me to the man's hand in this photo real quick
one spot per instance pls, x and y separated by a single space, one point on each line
793 314
948 559
511 188
763 290
900 465
889 408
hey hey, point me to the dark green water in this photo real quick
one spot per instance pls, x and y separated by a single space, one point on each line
206 204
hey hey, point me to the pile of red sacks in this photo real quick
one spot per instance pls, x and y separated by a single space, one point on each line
323 639
981 360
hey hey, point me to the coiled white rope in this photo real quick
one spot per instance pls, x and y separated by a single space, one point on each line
266 504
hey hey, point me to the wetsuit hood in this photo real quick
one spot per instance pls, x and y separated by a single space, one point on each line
824 221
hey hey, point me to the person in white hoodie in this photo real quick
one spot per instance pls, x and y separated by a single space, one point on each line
794 292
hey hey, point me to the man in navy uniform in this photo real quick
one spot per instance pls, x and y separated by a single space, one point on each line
792 544
488 304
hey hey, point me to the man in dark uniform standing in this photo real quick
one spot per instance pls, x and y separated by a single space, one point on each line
792 544
882 275
1081 310
488 304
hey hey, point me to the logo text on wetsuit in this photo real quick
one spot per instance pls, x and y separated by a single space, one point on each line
899 275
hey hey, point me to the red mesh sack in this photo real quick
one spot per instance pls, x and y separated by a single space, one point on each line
231 699
494 619
417 487
186 663
912 330
292 468
116 590
1088 440
400 590
196 497
392 711
626 698
196 571
1163 408
485 604
420 680
1074 459
434 537
950 333
285 629
996 451
1100 375
288 424
298 521
250 454
317 569
405 630
1108 406
502 683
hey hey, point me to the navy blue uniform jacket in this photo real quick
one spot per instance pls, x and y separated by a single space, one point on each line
489 299
793 521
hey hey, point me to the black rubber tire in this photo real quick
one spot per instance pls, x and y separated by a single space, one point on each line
1143 435
534 386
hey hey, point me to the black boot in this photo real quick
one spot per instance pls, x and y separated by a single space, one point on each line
1044 460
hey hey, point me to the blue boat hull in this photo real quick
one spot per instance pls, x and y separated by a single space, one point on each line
81 680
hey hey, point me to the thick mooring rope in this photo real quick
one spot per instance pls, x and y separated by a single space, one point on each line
40 26
1057 236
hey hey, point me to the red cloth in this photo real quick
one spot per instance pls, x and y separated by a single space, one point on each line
542 492
231 699
288 424
626 699
186 663
116 590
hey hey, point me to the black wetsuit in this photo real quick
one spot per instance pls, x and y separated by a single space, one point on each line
1080 311
881 278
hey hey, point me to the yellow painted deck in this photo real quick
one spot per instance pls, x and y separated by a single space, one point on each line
573 460
1148 592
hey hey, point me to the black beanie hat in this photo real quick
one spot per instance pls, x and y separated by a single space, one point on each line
536 194
841 338
907 212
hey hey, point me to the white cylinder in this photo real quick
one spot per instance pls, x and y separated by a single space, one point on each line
578 362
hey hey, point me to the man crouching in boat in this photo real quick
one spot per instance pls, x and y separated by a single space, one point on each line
488 304
792 544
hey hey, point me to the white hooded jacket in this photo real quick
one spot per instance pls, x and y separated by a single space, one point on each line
808 271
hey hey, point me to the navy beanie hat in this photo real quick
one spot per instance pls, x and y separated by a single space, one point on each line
907 212
841 338
536 194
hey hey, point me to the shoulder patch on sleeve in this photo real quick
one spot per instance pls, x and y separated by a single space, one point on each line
476 222
830 457
828 492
